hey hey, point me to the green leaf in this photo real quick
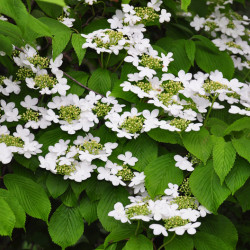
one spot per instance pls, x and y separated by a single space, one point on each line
221 227
77 42
185 4
238 125
206 241
88 209
207 43
100 81
242 196
165 136
199 143
190 50
69 198
139 242
16 208
56 185
111 196
66 226
160 172
96 24
122 232
238 175
209 61
30 195
144 149
6 45
224 156
61 34
81 77
217 126
242 147
7 218
180 242
50 9
205 186
57 2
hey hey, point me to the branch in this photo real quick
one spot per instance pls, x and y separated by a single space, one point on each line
83 86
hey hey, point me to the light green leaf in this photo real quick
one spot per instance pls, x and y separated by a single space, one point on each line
144 149
185 4
190 50
77 41
242 147
199 143
88 209
30 195
165 136
180 242
139 242
242 196
56 185
66 226
205 186
61 34
6 45
224 156
238 175
100 81
221 227
217 126
238 125
57 2
7 218
206 241
111 196
16 208
160 172
52 10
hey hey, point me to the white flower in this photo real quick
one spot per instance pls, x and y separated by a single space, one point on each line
68 21
119 213
164 16
190 228
183 163
172 190
6 154
127 158
158 229
145 71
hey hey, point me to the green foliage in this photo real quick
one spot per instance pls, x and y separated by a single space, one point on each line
77 42
139 242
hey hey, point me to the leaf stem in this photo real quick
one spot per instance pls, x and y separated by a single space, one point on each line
138 227
164 244
119 65
107 63
102 60
210 109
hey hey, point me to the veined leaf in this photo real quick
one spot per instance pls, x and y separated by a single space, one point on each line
190 50
238 125
57 2
88 209
242 147
242 196
77 42
139 242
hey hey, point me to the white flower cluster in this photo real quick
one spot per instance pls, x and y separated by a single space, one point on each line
21 142
65 19
74 161
230 31
33 69
172 212
8 86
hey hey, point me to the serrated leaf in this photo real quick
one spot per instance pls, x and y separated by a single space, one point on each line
81 77
206 241
217 126
160 172
205 186
165 136
185 4
139 242
122 232
56 185
180 242
190 50
7 218
16 208
66 226
224 156
88 209
144 149
57 2
221 227
199 143
210 61
100 81
242 146
238 125
111 196
69 198
61 34
30 195
242 196
77 41
238 175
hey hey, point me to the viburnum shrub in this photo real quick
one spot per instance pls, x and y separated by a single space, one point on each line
124 124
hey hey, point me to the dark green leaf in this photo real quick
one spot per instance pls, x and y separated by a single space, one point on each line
139 242
77 42
56 185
